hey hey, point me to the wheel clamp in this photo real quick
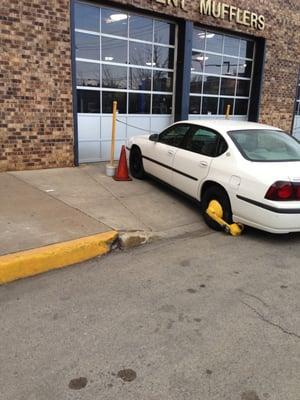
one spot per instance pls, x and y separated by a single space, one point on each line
215 212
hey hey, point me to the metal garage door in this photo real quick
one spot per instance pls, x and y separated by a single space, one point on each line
125 57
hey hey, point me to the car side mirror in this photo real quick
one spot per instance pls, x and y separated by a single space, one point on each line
154 137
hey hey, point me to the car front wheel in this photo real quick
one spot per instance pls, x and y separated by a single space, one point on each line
220 195
136 163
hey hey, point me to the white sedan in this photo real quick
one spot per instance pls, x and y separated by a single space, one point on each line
252 170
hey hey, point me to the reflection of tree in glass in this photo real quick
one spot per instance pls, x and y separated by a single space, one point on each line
87 77
164 32
140 54
140 79
114 77
158 61
162 81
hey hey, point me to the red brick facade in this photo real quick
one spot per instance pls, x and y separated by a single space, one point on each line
36 127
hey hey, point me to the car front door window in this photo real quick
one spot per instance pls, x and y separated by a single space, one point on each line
174 136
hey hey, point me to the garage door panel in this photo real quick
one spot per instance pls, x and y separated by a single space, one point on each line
88 127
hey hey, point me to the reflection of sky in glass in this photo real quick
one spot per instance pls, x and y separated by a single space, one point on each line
246 49
87 17
87 46
213 64
114 22
199 39
231 46
164 32
114 50
198 61
141 28
214 43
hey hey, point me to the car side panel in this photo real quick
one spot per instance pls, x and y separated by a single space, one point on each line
189 169
224 172
157 159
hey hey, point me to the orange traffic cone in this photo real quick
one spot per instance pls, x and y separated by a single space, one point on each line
122 171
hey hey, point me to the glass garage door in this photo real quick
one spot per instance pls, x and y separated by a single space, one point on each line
221 75
123 57
296 129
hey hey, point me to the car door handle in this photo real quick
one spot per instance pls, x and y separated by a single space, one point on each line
171 152
203 164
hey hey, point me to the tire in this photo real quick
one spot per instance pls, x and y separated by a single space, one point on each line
219 194
136 163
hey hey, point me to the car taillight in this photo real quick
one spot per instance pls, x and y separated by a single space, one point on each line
284 191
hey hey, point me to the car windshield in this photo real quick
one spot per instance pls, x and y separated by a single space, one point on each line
266 145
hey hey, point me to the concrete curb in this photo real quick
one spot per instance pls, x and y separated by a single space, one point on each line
130 239
32 262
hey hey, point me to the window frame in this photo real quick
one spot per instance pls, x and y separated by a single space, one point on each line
129 40
240 58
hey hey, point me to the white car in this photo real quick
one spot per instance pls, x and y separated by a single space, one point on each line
252 170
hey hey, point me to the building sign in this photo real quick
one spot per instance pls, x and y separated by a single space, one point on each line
232 13
224 11
173 3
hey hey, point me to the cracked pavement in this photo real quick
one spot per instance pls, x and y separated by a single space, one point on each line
206 317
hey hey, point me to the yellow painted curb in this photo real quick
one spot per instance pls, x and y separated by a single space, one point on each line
32 262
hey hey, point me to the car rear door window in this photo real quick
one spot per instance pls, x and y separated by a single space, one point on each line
203 141
174 135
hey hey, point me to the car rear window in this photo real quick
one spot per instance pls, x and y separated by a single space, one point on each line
266 145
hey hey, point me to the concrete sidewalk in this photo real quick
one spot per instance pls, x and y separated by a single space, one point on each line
42 207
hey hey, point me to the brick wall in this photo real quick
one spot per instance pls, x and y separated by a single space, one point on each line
36 125
36 122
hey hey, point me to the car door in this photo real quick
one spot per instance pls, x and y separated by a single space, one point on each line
158 156
192 161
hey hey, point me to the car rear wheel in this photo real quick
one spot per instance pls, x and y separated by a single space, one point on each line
219 194
136 163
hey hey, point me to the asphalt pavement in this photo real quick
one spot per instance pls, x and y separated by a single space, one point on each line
204 316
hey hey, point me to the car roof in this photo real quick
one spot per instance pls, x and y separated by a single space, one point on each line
225 125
